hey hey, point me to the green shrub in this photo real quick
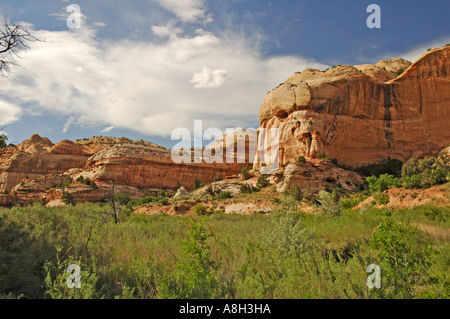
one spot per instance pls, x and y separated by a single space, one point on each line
352 201
68 198
199 209
295 192
245 173
57 280
301 160
404 263
162 194
195 276
328 205
412 182
122 199
197 184
382 198
224 195
382 183
262 182
247 189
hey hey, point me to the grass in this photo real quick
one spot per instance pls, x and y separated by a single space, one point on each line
136 258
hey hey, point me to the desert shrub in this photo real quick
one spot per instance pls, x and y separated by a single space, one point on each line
412 182
197 184
122 199
162 194
247 189
399 72
262 182
301 160
404 258
195 275
224 195
382 198
382 183
57 279
352 201
295 192
68 198
328 205
218 177
199 209
245 173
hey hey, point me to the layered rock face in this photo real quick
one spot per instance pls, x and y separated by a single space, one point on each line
360 115
37 168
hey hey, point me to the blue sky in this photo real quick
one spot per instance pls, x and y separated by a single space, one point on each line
143 68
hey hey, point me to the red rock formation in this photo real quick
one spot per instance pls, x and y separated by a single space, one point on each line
359 119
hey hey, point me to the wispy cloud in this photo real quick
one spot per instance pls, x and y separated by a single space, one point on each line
187 10
67 124
107 129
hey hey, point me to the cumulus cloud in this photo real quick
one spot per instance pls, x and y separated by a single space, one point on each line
9 113
209 78
146 86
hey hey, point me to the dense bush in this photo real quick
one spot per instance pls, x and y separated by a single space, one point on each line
287 254
262 182
224 195
245 173
295 192
328 204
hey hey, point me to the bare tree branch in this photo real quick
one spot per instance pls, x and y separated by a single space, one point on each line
14 38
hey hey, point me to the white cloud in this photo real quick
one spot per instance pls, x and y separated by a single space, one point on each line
68 124
187 10
209 78
145 86
107 129
414 54
9 113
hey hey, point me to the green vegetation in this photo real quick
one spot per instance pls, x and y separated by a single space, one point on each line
197 184
415 174
301 160
399 72
262 182
285 255
3 139
86 181
295 192
245 173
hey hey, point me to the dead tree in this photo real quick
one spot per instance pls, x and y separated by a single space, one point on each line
113 202
13 39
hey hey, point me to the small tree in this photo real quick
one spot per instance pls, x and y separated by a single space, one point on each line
3 139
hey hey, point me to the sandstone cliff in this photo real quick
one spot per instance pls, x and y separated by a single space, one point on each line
37 169
360 115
